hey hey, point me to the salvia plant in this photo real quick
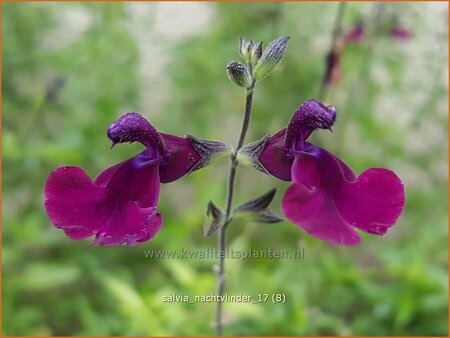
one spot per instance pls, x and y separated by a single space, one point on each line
326 199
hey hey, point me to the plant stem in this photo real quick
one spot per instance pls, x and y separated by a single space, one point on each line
334 38
378 10
222 240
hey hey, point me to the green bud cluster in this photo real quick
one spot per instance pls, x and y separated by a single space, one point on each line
259 62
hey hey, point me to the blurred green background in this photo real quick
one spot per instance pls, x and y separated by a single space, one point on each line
70 69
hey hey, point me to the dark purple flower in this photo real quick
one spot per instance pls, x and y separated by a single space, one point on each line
355 34
400 33
326 198
333 68
119 206
333 59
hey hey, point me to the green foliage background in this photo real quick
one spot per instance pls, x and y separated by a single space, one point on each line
113 58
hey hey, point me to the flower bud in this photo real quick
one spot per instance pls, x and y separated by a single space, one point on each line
271 57
245 48
256 53
250 51
239 74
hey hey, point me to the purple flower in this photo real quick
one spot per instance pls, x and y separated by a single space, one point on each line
119 206
355 34
326 198
333 68
400 33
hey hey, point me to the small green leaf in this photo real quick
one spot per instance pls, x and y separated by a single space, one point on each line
258 204
214 219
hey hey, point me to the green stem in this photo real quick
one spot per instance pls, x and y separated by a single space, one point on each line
222 241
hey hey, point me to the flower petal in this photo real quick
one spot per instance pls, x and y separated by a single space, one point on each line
119 207
308 202
373 202
129 226
310 116
103 178
274 159
181 159
137 180
132 127
327 198
337 171
71 202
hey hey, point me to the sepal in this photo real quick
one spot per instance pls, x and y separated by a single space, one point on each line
249 154
208 150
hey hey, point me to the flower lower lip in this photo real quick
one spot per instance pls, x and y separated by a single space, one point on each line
328 201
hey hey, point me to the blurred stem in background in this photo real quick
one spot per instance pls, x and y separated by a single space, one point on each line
333 46
51 94
372 27
222 241
440 57
276 17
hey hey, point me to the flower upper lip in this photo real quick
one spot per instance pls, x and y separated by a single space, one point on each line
311 115
132 127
